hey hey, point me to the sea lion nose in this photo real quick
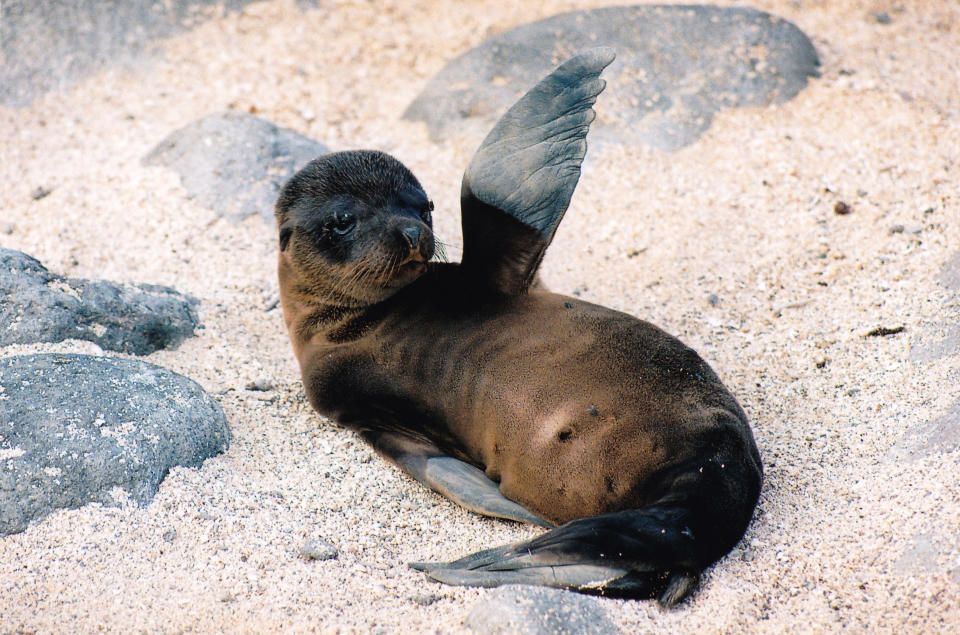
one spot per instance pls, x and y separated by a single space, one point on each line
412 235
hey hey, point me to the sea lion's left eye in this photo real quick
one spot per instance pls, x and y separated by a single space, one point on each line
343 223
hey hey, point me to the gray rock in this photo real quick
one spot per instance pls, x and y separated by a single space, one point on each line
949 275
941 340
882 17
74 428
41 192
234 163
533 610
939 436
318 550
260 384
929 554
920 557
50 45
39 306
936 342
676 66
423 599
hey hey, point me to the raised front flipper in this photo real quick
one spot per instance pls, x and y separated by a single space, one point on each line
520 180
459 481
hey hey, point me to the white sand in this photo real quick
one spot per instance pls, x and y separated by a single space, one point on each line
845 537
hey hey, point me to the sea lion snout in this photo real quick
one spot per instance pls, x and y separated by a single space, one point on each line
412 236
415 241
415 237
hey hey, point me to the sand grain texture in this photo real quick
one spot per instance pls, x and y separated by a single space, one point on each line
731 243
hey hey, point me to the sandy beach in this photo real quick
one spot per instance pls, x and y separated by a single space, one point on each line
732 243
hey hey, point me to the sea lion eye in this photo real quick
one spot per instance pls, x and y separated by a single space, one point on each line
343 223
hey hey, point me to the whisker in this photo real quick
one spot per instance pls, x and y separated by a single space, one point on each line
362 278
439 251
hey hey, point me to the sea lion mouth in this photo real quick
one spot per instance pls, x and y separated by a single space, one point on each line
416 266
407 272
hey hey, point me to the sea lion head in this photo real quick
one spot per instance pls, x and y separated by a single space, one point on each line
355 227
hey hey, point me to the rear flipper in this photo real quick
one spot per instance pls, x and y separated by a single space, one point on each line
459 481
703 508
631 554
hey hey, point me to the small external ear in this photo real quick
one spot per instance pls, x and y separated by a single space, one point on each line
285 233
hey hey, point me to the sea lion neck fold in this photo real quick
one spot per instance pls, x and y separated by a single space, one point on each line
309 312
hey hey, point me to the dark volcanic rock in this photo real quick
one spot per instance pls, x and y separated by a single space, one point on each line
528 610
676 66
39 306
75 427
235 163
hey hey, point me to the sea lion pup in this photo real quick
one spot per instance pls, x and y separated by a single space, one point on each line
513 402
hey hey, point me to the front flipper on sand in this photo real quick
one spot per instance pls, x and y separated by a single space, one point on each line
464 484
520 180
469 487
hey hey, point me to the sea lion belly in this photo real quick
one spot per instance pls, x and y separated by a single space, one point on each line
571 407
